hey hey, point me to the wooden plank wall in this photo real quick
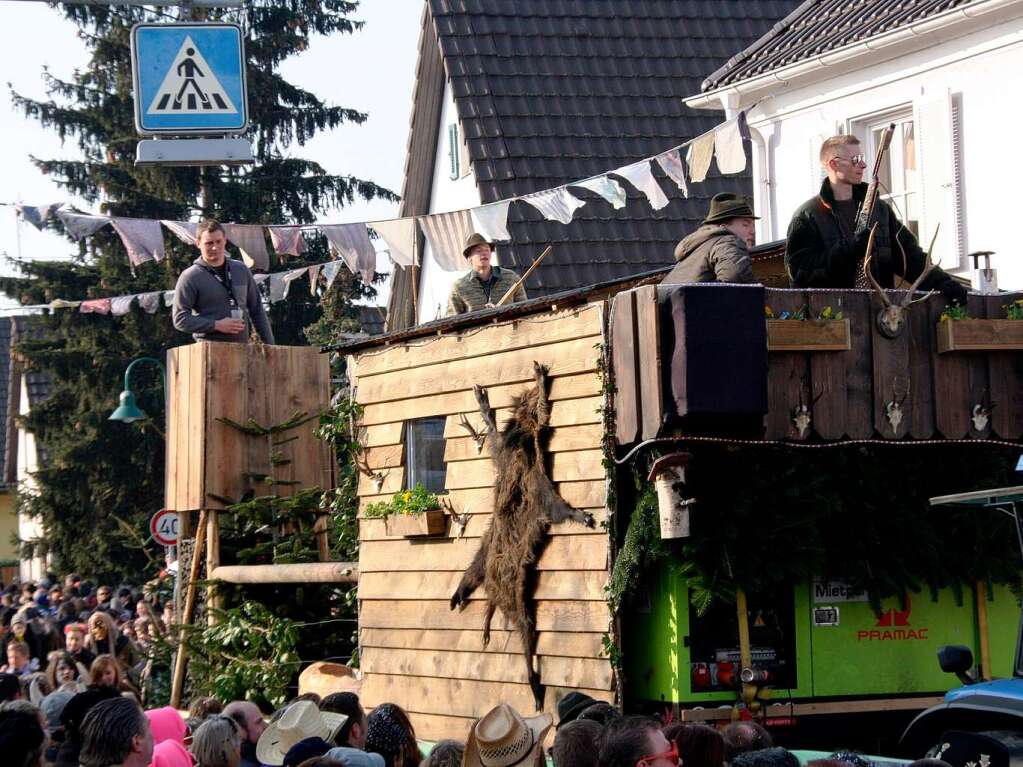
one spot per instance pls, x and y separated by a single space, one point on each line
207 381
415 651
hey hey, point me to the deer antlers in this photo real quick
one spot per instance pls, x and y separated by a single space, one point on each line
479 437
377 477
892 316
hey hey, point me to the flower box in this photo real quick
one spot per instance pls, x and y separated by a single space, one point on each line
979 335
808 335
418 525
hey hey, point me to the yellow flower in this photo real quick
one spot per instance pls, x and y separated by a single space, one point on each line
406 496
769 312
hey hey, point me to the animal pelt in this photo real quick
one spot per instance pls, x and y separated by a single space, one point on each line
525 505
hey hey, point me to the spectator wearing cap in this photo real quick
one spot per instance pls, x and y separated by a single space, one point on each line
485 283
300 721
389 732
22 736
503 737
719 250
572 705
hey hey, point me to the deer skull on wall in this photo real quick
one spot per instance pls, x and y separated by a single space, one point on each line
892 316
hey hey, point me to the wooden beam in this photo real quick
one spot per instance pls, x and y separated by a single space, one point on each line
178 682
309 572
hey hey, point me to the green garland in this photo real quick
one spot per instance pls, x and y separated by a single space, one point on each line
767 518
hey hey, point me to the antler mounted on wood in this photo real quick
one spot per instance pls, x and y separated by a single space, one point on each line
892 316
479 437
377 477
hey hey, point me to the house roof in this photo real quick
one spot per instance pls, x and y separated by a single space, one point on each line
817 27
553 91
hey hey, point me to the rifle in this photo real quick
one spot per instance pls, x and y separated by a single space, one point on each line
507 297
866 211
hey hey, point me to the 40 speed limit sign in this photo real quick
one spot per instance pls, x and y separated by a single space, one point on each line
164 527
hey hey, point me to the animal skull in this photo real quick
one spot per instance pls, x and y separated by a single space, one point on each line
981 417
891 317
801 419
893 413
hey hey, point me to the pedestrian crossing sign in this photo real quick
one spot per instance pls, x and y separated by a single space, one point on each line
189 79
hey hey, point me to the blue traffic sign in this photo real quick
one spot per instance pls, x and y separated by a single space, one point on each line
189 79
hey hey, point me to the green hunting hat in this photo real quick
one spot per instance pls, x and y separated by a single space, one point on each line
472 241
726 205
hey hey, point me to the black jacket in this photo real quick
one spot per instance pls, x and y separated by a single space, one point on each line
818 255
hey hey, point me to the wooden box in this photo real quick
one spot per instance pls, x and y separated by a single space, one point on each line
808 335
979 335
208 461
424 524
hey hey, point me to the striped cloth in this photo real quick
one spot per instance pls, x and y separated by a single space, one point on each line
351 242
446 233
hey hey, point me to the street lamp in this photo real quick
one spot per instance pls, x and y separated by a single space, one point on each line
128 411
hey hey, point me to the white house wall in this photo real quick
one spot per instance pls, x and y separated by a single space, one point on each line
445 195
981 71
29 528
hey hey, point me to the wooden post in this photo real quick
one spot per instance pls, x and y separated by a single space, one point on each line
214 599
178 684
320 526
749 691
982 629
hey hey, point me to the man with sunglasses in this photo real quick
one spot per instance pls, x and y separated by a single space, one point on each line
824 250
637 741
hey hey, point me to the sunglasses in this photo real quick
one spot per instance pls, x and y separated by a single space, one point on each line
855 160
671 754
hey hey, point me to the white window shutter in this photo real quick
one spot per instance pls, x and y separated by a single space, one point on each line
939 185
817 172
463 157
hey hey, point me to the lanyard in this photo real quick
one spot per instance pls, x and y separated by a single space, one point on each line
225 282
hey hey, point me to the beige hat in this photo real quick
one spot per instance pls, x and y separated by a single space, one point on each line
503 737
299 721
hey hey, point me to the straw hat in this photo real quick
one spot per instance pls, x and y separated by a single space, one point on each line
503 738
299 721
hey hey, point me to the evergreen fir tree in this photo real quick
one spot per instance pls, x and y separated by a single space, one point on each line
101 480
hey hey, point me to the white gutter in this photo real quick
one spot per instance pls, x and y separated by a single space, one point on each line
952 20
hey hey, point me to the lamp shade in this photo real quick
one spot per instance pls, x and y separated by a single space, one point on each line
128 411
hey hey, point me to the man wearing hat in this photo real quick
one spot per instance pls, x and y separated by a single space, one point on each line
485 284
719 250
504 738
300 721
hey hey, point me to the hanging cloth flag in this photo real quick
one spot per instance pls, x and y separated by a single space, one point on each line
290 277
640 176
699 155
288 240
491 220
672 165
607 188
95 306
60 303
149 302
37 215
184 230
168 298
330 272
142 238
555 204
728 147
80 225
278 287
121 305
259 279
446 233
400 236
251 241
351 243
314 273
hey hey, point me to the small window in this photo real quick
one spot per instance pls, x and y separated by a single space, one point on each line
899 182
425 454
453 152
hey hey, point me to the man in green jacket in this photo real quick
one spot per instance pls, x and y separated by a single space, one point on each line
719 250
484 285
824 250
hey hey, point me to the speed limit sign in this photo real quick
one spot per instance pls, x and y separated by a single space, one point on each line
164 527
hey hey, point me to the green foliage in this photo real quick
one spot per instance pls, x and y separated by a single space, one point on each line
248 654
101 480
954 312
1014 311
766 518
414 501
337 427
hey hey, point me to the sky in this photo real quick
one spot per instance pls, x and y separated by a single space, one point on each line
372 70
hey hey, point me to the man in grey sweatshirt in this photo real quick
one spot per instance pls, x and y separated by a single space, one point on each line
216 298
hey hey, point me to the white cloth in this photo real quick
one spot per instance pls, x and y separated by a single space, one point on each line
290 277
446 233
185 231
121 305
314 273
728 147
251 242
37 215
80 225
288 240
278 287
699 156
400 236
607 188
168 298
640 176
330 272
492 220
149 302
673 166
351 243
142 238
555 204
